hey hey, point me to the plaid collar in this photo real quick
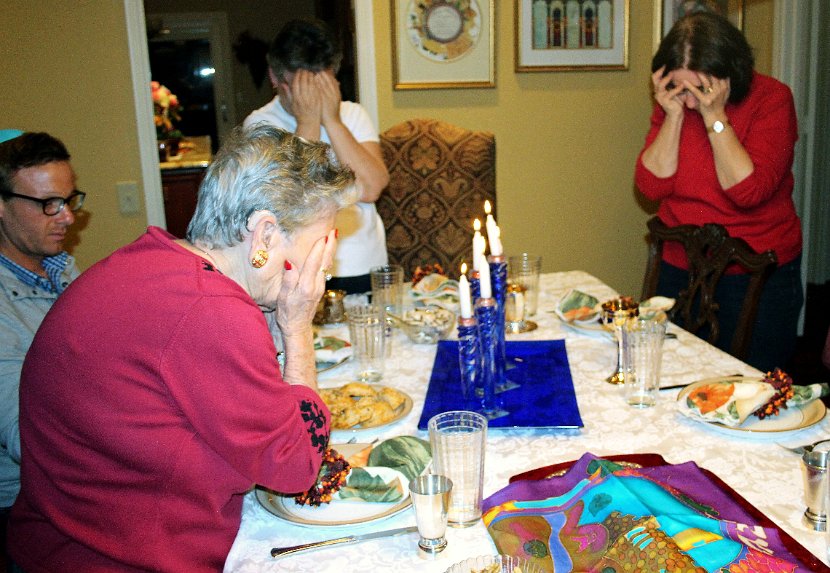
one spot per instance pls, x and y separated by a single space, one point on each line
54 267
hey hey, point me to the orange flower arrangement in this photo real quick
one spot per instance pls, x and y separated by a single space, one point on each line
165 111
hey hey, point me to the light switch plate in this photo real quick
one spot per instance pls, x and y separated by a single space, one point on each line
129 202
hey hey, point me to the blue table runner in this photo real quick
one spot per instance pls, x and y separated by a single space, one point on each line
545 397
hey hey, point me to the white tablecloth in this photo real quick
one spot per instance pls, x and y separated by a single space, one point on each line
768 476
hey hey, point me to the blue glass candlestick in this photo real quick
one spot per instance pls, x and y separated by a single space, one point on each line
498 279
469 361
475 285
487 316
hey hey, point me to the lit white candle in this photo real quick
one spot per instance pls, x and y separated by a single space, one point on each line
493 231
479 243
484 277
464 293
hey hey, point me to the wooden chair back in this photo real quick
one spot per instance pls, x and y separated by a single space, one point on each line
440 176
710 250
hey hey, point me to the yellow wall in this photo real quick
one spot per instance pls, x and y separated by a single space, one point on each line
65 70
566 141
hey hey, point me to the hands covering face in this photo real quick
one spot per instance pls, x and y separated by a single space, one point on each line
313 97
304 283
705 93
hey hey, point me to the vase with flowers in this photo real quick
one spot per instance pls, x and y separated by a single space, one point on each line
166 111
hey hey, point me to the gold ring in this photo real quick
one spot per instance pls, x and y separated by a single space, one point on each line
326 273
709 90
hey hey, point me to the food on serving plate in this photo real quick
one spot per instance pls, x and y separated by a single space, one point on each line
330 479
436 316
435 289
331 348
578 306
407 454
358 403
362 485
730 401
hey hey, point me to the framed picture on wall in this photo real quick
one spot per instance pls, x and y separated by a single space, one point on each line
563 35
667 12
443 44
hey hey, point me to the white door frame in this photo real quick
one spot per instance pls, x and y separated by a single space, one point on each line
140 67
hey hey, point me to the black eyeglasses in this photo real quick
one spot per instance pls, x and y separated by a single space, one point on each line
54 205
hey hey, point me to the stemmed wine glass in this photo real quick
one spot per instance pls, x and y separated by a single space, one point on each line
614 316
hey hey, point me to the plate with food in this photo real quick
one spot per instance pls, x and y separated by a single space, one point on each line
742 405
330 352
359 406
358 483
343 510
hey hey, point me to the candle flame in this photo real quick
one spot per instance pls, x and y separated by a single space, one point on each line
477 225
463 268
487 207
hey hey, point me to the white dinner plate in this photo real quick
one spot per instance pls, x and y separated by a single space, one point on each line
787 421
338 512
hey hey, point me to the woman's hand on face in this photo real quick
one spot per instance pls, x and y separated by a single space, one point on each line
306 98
712 94
303 287
665 97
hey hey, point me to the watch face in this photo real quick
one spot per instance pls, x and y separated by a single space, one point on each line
718 126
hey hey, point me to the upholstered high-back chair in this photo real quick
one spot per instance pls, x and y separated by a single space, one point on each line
439 177
709 250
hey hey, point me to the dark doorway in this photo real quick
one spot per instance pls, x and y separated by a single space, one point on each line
185 67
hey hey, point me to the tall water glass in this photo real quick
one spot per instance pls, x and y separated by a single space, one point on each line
367 326
458 441
644 338
524 270
387 287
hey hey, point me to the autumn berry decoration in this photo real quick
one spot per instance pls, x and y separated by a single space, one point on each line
331 478
783 385
421 272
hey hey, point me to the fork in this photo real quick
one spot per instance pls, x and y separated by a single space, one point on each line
806 448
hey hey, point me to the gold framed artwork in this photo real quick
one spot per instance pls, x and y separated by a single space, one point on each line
571 35
667 12
443 44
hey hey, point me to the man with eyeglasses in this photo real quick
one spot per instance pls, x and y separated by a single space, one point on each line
37 204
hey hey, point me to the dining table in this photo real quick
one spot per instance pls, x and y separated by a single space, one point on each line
758 466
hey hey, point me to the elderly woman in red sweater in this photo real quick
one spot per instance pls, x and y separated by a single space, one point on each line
152 399
720 150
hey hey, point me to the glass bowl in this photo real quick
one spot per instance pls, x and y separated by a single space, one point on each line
426 325
495 564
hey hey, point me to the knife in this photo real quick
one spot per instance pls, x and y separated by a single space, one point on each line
283 551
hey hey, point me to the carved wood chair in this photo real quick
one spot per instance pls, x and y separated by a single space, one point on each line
710 250
440 176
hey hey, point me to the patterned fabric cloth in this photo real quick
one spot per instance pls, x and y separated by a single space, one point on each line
440 176
605 517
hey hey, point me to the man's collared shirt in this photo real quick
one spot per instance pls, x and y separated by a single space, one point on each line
54 267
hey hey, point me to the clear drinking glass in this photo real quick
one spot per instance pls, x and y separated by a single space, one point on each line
644 339
524 270
367 326
458 441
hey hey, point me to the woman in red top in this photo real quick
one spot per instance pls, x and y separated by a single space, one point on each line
720 150
152 400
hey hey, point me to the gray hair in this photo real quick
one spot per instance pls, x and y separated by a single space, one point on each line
264 168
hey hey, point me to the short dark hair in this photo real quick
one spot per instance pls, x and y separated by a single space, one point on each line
304 45
28 150
708 43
